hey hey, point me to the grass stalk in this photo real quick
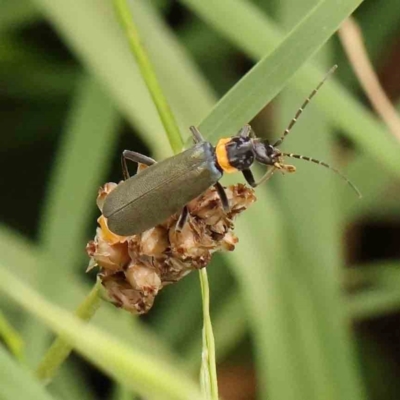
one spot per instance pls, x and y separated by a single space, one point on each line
60 349
149 75
208 364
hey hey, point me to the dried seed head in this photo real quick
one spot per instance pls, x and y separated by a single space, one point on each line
133 269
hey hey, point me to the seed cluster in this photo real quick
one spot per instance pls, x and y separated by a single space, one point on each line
134 269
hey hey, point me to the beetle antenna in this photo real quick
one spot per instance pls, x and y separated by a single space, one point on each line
303 106
300 157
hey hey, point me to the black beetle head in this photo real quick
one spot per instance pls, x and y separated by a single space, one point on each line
240 152
265 153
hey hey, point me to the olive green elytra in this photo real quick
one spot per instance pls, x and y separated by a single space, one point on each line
150 197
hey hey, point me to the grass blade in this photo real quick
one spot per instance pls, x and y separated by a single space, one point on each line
208 371
16 14
60 349
17 383
11 338
270 75
82 160
381 295
76 177
149 75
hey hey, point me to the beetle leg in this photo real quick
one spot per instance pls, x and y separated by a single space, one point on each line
266 176
245 131
197 136
182 219
222 195
248 175
135 157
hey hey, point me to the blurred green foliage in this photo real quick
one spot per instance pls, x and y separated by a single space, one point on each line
309 301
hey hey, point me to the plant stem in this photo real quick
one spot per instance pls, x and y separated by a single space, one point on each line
149 75
60 349
11 338
208 361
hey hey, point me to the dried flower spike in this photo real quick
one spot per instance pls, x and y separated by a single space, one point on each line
134 269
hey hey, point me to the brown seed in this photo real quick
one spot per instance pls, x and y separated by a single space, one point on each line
123 295
109 256
143 279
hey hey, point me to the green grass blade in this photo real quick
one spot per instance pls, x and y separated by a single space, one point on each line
61 349
208 371
149 75
17 383
243 24
381 293
11 338
258 264
16 249
375 304
376 184
130 366
311 205
230 326
122 393
70 385
271 74
88 143
15 14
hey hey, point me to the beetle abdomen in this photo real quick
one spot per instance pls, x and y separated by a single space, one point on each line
152 196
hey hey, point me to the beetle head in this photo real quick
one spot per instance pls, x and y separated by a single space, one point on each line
265 153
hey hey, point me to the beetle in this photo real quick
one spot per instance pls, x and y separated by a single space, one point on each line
164 188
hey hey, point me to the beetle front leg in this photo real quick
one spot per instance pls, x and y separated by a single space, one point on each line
182 219
135 157
248 175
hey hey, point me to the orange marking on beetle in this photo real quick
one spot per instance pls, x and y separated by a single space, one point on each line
222 156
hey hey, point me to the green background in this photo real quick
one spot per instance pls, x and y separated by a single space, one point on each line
307 305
